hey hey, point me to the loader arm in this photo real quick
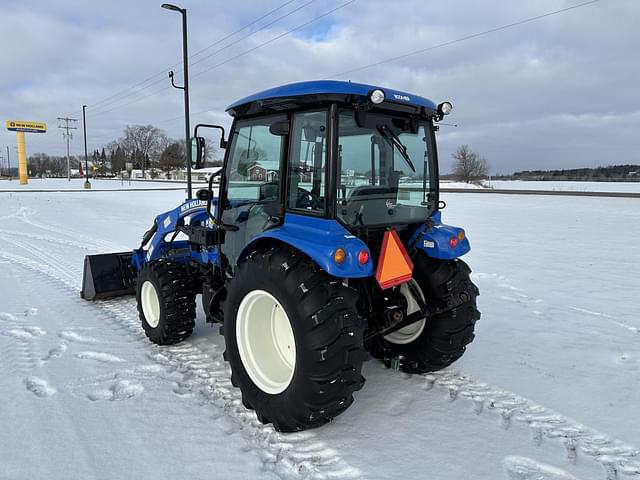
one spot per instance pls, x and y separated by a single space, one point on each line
114 274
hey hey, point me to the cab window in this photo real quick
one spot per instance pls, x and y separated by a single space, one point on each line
307 160
253 173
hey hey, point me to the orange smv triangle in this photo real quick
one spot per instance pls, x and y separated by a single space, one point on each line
395 266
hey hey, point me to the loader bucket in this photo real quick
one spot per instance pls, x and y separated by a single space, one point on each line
108 275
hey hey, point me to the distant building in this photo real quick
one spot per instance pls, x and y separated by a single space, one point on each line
264 171
203 174
136 174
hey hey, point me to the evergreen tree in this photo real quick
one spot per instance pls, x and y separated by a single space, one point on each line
173 158
117 160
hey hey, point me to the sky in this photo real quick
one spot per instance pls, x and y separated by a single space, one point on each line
557 92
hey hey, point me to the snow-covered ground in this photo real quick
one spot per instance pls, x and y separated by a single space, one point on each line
77 184
451 184
548 390
565 186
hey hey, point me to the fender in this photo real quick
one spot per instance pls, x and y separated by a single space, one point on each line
434 239
319 238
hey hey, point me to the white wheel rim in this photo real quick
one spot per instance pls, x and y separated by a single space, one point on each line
411 332
266 342
150 304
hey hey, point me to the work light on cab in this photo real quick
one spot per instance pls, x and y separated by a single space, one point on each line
445 108
377 96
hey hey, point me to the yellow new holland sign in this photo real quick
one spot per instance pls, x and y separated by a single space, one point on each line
24 126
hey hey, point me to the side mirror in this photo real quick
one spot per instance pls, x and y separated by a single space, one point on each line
198 152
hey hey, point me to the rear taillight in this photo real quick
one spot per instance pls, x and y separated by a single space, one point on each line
363 257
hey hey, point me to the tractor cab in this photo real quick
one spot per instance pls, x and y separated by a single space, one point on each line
357 154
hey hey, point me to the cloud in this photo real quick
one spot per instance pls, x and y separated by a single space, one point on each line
558 92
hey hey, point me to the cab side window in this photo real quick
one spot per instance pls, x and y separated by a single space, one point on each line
307 161
253 173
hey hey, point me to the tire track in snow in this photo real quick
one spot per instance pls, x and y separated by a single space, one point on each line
518 295
18 349
211 378
42 238
99 357
16 357
39 387
289 456
24 214
44 257
618 459
607 317
522 468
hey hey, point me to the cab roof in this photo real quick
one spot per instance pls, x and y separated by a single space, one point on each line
295 95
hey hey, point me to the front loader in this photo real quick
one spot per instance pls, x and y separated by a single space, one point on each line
323 246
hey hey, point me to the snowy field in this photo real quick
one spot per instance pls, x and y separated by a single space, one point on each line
77 184
549 390
566 186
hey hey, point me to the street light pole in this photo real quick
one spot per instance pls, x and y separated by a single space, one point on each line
87 184
185 61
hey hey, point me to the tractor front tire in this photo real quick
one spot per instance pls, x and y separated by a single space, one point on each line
441 339
166 302
293 338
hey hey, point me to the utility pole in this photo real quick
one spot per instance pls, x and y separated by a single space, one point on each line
8 163
67 124
185 87
87 184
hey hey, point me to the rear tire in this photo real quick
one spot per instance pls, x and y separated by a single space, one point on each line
446 285
166 302
293 338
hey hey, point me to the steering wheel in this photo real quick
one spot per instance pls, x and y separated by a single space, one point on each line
306 199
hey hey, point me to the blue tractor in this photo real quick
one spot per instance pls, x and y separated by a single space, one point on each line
323 245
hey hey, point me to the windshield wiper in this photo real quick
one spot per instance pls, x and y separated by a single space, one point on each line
394 140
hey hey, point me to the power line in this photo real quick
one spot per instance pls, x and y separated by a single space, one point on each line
116 100
433 47
462 39
116 107
217 107
217 42
111 99
253 33
288 32
68 125
398 57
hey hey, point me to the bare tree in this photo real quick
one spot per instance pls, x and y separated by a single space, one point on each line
41 164
469 166
142 142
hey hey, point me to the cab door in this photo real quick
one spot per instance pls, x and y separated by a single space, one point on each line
253 181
